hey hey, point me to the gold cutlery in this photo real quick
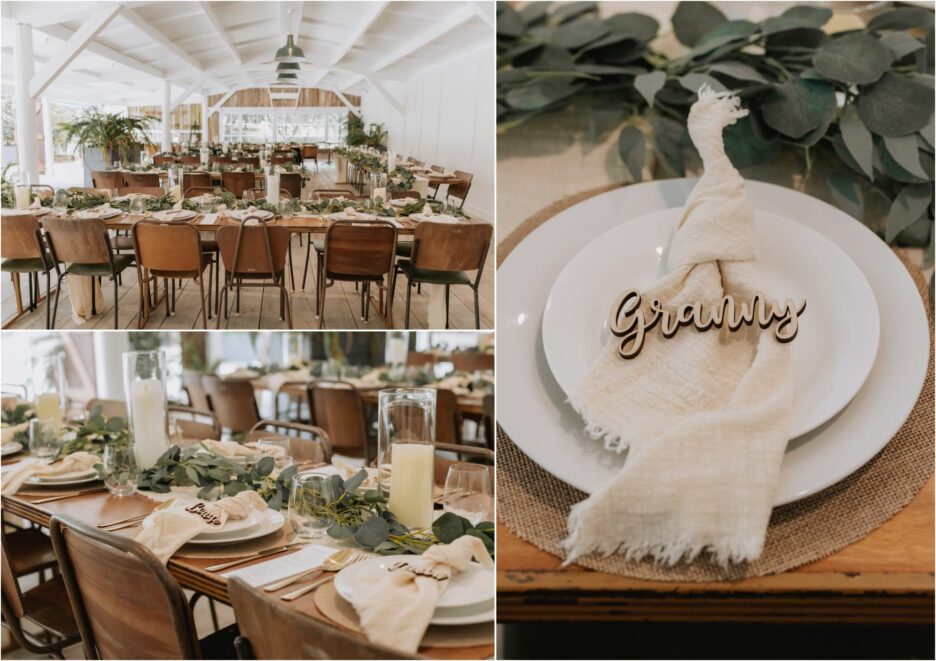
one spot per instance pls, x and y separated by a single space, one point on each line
327 566
337 556
63 496
254 556
136 519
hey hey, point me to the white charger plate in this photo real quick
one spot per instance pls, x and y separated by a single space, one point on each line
262 214
831 356
532 408
467 600
232 529
86 214
10 448
341 215
434 218
65 479
270 523
170 215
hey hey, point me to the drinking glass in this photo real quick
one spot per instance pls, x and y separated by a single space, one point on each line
468 492
277 447
120 469
60 202
309 493
138 205
48 385
44 441
406 452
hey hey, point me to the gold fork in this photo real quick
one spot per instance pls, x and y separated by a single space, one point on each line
326 567
337 556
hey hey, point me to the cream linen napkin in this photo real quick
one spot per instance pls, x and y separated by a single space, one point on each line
9 432
77 461
396 608
427 210
704 415
165 531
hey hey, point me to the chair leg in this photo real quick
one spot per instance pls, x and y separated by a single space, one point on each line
289 322
48 299
447 288
318 279
305 269
201 297
237 297
116 294
166 294
210 274
58 290
292 274
29 281
17 291
477 309
409 295
93 290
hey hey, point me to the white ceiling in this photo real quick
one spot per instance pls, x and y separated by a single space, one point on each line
224 45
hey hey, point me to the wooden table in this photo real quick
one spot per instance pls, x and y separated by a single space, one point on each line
887 577
190 572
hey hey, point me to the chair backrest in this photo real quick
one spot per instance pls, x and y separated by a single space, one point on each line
42 190
155 191
87 189
150 621
307 443
437 168
448 417
253 249
190 160
192 382
400 194
232 401
238 182
197 191
310 151
292 183
190 179
488 421
20 237
82 241
12 595
337 408
172 247
446 247
331 193
150 179
276 631
252 161
222 160
107 179
160 160
194 424
460 187
442 463
472 361
282 159
366 249
110 408
420 358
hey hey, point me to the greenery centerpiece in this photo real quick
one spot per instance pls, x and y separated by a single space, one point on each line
401 179
114 135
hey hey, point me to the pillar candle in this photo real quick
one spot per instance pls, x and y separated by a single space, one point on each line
273 187
22 197
148 421
381 193
411 484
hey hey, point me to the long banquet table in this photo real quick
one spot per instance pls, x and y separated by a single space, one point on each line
190 572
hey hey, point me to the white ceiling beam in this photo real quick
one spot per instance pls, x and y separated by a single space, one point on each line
188 91
213 109
386 94
454 21
369 19
72 48
220 29
485 11
96 47
156 35
41 14
344 100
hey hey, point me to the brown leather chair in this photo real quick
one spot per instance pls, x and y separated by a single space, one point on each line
86 247
313 448
472 361
198 191
282 159
222 160
356 252
28 551
448 418
42 190
460 187
110 408
190 160
169 251
337 408
249 161
435 187
238 182
109 179
412 195
256 253
23 251
149 179
155 191
441 255
192 384
233 402
150 621
310 153
195 425
421 359
272 630
291 182
466 453
162 160
191 179
45 606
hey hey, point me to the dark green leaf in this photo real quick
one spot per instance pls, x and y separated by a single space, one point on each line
234 488
553 58
694 82
902 19
796 108
885 163
694 20
895 105
910 204
287 474
857 139
204 493
633 150
797 17
738 71
636 26
901 44
116 425
541 93
509 21
572 9
372 532
854 58
579 33
733 32
744 147
649 84
191 474
338 531
488 542
533 12
449 527
355 481
847 194
265 466
904 150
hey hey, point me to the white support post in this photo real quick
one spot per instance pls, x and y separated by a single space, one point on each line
204 118
26 152
167 116
47 138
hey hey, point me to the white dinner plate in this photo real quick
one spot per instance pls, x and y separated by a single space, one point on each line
65 479
360 216
403 201
469 595
262 214
89 214
270 522
232 529
532 408
434 218
832 354
171 215
10 448
40 211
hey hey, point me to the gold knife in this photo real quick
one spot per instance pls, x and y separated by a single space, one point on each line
261 554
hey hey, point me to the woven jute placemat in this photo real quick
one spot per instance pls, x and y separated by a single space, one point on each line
535 505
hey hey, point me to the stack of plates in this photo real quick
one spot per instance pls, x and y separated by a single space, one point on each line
859 360
341 215
173 215
10 448
236 531
98 213
65 479
241 214
469 598
435 218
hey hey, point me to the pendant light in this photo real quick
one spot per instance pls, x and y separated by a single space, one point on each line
287 67
290 53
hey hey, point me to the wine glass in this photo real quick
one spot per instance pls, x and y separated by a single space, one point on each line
309 493
60 202
277 447
468 492
120 469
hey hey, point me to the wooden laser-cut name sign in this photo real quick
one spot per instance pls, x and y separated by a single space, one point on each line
629 323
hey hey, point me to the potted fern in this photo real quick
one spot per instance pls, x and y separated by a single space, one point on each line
104 137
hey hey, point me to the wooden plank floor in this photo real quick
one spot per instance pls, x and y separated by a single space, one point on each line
260 308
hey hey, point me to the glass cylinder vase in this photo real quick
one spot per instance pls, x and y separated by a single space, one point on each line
145 386
48 388
406 452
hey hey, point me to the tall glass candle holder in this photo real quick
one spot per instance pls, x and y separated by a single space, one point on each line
145 385
406 452
293 349
48 385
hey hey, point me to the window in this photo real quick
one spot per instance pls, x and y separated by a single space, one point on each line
255 127
309 125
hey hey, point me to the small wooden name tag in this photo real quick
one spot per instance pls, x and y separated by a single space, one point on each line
628 322
202 511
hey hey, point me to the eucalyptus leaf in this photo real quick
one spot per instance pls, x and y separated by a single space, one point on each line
908 206
449 527
116 424
738 71
794 18
633 149
509 21
649 84
885 163
265 465
904 150
796 108
540 94
900 44
902 19
234 488
373 532
854 58
570 10
354 482
744 147
857 139
694 82
693 20
732 32
533 12
895 105
578 33
636 26
338 531
847 194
